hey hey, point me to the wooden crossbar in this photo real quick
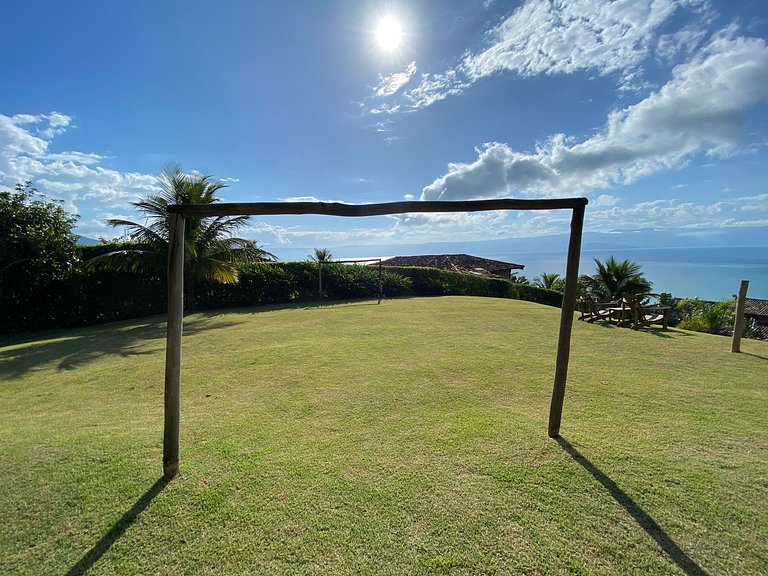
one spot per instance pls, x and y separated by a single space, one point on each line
339 209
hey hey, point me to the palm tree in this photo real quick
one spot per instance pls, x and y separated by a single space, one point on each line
614 278
210 251
549 281
322 255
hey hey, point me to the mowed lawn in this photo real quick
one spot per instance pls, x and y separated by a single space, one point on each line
402 438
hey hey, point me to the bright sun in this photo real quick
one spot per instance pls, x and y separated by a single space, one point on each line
389 33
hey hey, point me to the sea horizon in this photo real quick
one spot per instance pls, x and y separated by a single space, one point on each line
704 272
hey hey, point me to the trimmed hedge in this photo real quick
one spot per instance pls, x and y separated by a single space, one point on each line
84 299
434 282
271 283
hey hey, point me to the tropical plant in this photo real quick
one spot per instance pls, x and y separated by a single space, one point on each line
322 255
210 251
550 281
515 279
613 278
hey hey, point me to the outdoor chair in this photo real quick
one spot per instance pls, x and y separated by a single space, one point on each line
595 310
646 315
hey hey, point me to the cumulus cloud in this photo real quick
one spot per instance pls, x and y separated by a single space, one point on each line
702 109
76 177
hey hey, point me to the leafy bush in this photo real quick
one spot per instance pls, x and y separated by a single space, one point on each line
703 316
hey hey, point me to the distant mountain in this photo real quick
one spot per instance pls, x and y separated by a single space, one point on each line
624 240
83 240
508 245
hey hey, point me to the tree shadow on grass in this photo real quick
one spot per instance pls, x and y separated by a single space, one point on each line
651 527
70 349
100 548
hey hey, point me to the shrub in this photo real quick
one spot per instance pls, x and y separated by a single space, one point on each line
703 316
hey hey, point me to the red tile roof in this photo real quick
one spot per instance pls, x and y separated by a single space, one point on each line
456 263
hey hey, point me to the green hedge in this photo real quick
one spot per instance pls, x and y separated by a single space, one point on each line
83 299
265 283
433 282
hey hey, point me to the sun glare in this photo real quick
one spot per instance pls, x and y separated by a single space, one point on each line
389 33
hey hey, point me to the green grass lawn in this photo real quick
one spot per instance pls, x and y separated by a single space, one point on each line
402 438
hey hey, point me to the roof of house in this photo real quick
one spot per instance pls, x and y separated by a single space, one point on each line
454 263
755 307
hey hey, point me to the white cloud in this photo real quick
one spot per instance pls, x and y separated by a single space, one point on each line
702 109
436 87
604 200
546 37
673 213
543 37
392 83
76 177
604 215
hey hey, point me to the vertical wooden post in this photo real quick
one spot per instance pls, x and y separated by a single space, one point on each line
738 323
173 345
381 283
566 322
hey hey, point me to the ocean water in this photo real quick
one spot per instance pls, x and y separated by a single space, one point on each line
709 273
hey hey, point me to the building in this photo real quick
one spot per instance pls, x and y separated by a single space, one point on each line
756 310
463 263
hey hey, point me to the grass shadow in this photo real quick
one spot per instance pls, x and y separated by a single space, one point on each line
75 347
651 527
754 355
100 548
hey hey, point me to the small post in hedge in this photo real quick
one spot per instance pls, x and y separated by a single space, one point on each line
738 323
319 279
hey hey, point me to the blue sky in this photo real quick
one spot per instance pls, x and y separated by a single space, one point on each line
657 111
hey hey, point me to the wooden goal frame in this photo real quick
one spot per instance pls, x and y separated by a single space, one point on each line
178 213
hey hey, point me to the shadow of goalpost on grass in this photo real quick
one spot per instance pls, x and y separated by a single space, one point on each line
100 548
651 527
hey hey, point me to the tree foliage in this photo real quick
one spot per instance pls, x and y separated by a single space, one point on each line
322 255
703 316
550 281
612 279
210 250
37 245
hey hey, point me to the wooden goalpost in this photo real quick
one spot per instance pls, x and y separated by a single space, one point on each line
179 212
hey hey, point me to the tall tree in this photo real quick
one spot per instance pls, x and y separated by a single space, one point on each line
37 245
210 250
613 278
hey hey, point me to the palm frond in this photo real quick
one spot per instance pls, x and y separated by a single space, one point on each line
134 261
216 270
